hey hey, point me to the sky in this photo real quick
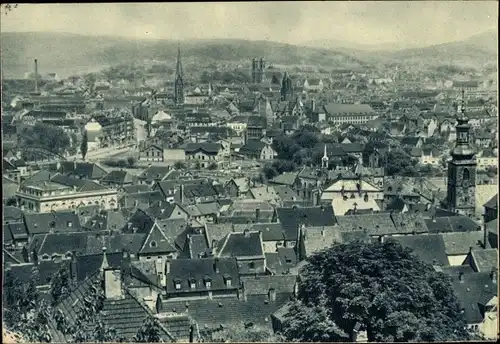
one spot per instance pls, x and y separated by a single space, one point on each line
417 23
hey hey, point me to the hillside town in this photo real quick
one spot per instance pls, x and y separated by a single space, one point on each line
129 198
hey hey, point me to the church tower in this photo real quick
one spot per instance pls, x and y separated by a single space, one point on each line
179 81
462 169
286 87
324 160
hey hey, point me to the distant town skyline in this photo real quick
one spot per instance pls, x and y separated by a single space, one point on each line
360 23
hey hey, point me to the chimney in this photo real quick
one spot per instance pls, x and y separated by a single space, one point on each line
257 215
494 275
461 277
181 194
246 233
216 265
167 267
112 283
36 76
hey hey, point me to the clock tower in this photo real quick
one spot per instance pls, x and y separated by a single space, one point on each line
462 169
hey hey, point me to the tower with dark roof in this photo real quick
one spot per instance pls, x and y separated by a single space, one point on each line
254 70
262 67
179 81
461 197
286 87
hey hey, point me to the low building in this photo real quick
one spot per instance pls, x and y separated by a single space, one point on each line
205 153
258 150
349 113
63 193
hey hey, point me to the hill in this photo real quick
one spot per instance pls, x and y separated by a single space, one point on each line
68 53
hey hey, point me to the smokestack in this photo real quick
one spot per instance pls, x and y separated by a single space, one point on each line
36 76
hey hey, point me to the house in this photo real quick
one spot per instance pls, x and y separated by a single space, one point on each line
349 113
203 212
140 199
257 150
237 187
157 246
313 85
486 158
117 298
459 244
151 153
491 209
448 224
196 191
57 222
82 170
153 174
315 239
256 128
205 153
478 298
118 178
247 248
207 277
482 260
294 218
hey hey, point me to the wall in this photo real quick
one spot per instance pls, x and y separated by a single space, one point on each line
245 265
456 260
108 201
271 246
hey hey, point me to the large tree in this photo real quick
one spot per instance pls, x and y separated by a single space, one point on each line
46 136
382 287
84 146
60 285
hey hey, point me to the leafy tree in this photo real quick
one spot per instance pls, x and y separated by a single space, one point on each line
179 165
46 136
84 146
381 286
212 166
242 333
349 160
149 332
60 285
397 162
131 161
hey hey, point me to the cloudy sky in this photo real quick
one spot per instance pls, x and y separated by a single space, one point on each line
409 23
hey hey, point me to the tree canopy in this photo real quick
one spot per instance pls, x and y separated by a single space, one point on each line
397 162
380 286
46 136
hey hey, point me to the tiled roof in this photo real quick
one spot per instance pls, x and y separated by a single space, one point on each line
131 189
125 315
447 224
58 222
196 245
347 109
246 244
118 177
82 169
492 203
375 224
216 270
217 231
428 248
474 292
270 231
131 243
207 147
154 172
157 243
287 178
89 264
485 259
292 218
317 239
257 309
459 243
59 243
260 285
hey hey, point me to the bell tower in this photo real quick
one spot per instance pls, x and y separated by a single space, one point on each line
461 196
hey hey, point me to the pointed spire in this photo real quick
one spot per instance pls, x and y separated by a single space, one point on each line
325 156
105 264
178 71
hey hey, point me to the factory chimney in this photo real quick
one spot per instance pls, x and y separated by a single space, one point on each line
36 76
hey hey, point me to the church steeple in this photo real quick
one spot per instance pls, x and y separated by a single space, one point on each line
462 169
179 80
324 159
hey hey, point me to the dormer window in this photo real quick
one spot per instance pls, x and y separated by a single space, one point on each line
228 280
208 282
153 243
68 255
192 283
177 284
45 257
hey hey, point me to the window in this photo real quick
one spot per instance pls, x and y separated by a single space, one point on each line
153 244
466 175
177 285
251 265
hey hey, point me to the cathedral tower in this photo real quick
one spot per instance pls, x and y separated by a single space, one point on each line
179 81
286 87
462 169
